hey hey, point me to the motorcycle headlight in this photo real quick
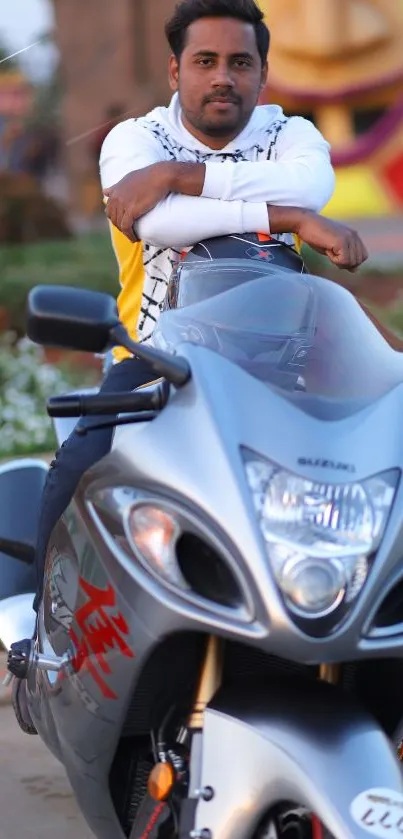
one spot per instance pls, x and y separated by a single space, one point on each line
319 537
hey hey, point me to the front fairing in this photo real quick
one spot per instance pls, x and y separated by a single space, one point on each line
191 453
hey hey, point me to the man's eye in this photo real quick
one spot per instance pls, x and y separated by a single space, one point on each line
242 62
205 62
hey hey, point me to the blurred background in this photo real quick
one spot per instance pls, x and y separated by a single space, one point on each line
70 70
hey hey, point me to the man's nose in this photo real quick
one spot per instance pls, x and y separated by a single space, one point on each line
332 28
222 77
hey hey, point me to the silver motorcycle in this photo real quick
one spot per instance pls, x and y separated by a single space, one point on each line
218 651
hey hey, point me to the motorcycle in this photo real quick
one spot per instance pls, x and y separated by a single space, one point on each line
218 650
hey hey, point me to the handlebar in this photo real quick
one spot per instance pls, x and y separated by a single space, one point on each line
107 403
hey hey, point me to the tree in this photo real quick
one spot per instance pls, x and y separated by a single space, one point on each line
7 64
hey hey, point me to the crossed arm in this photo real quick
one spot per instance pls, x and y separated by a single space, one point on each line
174 204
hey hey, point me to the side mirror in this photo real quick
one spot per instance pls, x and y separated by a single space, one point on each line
71 318
88 321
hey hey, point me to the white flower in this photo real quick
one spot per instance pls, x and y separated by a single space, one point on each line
26 383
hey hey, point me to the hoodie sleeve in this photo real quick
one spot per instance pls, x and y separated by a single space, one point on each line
300 176
178 221
127 148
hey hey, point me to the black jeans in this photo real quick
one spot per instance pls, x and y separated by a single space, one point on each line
77 454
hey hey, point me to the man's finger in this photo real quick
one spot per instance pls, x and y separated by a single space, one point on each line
129 233
364 252
127 221
110 211
113 217
354 259
360 251
348 258
115 213
126 226
340 256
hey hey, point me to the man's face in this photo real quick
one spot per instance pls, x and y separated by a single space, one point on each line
219 78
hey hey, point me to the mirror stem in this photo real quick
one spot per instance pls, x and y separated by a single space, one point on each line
174 369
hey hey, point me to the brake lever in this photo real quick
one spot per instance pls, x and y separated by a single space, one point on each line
128 419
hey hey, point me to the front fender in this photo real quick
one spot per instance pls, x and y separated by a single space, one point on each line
310 745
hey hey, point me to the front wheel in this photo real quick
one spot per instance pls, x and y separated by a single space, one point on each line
290 821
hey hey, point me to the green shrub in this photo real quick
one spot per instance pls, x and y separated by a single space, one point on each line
26 379
86 261
27 214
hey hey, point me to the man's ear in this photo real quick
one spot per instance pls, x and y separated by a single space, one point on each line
265 73
173 73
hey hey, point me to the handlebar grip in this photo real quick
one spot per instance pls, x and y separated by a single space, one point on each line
64 406
108 403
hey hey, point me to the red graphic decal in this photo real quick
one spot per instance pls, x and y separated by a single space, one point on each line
264 255
99 632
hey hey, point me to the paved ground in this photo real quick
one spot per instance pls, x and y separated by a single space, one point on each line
36 801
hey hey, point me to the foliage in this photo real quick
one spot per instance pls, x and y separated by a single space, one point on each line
7 64
26 383
26 214
86 261
26 379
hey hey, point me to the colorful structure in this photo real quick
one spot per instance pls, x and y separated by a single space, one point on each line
340 63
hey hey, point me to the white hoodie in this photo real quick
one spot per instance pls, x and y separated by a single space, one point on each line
274 160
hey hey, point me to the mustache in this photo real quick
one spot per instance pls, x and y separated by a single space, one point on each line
222 97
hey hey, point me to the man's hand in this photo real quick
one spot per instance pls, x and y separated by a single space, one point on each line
137 194
141 191
339 243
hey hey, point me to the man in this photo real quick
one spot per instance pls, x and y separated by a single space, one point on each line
211 164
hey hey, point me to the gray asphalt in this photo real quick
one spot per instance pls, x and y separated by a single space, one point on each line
36 801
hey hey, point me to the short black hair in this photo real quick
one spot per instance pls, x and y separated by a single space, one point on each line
188 11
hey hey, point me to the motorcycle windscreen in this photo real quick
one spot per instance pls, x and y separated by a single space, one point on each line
297 332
